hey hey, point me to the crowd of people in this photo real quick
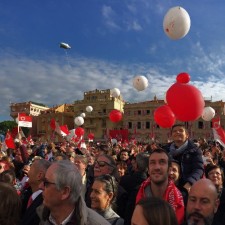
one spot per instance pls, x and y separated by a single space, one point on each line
180 182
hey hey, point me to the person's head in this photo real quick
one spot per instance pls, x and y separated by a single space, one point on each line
215 174
81 162
37 172
61 185
153 211
159 163
10 205
124 155
121 167
8 176
142 162
174 171
179 134
202 202
105 164
104 190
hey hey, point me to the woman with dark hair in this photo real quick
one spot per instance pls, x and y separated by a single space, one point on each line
153 211
105 164
10 205
216 175
103 196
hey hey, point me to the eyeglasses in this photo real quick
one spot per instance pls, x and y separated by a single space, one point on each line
214 173
102 163
47 183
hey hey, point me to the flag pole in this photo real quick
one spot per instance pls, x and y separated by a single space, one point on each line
18 129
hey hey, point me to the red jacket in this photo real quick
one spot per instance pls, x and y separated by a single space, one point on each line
172 195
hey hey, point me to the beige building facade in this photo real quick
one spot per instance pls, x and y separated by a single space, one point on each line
138 117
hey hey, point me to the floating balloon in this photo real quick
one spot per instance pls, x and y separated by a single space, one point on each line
115 116
176 23
186 101
83 115
183 78
164 116
91 136
79 131
140 83
115 92
89 108
79 120
208 113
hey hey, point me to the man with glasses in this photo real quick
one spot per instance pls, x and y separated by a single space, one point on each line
63 203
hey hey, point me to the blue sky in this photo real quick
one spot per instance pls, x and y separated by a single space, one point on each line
112 42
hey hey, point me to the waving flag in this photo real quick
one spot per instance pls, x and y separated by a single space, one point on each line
218 131
24 120
9 140
64 130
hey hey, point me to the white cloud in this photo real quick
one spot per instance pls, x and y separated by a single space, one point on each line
109 17
54 82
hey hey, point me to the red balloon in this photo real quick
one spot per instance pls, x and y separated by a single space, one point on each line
115 116
164 116
91 136
79 131
183 78
186 101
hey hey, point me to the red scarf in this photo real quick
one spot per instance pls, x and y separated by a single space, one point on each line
172 195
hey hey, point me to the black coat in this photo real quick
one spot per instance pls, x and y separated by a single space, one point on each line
131 183
30 216
219 218
191 162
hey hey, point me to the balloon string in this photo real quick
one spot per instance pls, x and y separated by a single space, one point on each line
67 58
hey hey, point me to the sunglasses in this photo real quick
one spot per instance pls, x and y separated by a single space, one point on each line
47 183
102 163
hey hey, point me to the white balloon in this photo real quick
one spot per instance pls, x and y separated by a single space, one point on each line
17 120
83 115
79 120
176 23
115 92
208 113
140 83
89 108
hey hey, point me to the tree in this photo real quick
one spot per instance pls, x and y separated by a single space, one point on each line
9 125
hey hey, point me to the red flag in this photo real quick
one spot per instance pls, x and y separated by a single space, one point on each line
9 140
53 124
218 131
24 120
64 130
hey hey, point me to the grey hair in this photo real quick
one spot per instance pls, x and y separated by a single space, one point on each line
67 175
142 161
42 164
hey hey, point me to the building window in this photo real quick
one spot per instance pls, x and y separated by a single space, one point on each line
139 112
148 112
104 111
200 125
103 123
138 125
147 125
129 125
